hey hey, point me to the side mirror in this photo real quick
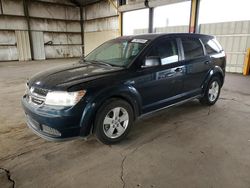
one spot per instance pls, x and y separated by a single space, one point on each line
152 61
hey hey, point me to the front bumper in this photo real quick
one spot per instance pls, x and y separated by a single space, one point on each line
54 124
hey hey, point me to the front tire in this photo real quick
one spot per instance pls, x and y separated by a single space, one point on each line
212 92
113 121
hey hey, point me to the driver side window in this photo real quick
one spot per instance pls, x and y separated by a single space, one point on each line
166 50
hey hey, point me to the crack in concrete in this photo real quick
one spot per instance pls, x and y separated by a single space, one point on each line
233 99
139 147
234 91
7 172
122 170
12 157
209 109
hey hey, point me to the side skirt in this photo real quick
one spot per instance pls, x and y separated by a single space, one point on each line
174 104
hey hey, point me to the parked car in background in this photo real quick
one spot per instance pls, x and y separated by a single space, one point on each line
121 80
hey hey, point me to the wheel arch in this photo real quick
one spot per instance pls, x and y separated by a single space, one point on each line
127 93
216 71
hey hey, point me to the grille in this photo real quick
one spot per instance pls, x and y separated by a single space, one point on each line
36 100
37 95
40 91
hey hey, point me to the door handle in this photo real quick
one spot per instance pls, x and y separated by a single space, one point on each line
207 62
179 69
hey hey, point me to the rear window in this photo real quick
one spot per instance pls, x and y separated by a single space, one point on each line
192 48
211 46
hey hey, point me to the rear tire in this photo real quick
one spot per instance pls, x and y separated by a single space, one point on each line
212 92
113 121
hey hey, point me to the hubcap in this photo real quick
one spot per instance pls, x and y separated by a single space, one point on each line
115 122
213 91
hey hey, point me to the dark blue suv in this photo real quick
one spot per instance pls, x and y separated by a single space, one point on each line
121 80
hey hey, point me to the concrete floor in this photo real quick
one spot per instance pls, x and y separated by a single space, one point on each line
185 146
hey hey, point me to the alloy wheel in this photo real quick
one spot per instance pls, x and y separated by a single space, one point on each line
115 122
213 91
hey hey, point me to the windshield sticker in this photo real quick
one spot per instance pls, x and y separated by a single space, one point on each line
139 41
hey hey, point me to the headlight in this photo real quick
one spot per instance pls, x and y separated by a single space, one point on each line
63 98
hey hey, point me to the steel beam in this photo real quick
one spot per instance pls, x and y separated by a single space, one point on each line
246 67
82 29
194 16
1 6
42 18
55 3
26 14
120 18
151 20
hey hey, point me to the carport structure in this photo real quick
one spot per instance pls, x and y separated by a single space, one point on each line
185 146
48 29
34 25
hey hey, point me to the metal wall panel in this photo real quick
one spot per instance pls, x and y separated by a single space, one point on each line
23 45
61 20
140 31
62 38
101 24
62 51
53 11
12 23
7 38
54 25
8 53
38 45
99 10
94 39
171 29
234 38
13 7
8 48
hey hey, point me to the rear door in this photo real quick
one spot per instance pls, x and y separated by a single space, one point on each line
197 65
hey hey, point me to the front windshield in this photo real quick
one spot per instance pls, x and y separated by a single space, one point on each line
117 52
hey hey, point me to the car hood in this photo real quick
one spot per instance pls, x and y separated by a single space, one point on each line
62 76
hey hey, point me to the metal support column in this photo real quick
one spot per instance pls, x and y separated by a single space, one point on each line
82 29
194 16
246 68
26 14
151 20
120 23
1 6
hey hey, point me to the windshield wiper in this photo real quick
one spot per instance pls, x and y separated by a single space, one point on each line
98 62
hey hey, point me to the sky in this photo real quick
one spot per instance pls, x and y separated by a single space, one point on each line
211 11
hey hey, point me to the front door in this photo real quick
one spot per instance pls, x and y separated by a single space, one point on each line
159 85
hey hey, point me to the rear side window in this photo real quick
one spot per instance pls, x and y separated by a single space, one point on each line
211 46
192 48
166 50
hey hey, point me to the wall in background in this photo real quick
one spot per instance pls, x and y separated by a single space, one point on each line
233 36
101 24
235 39
55 28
